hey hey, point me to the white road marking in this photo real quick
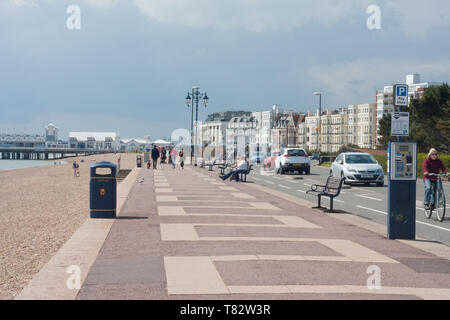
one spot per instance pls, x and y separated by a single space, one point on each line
270 182
302 191
364 196
284 186
426 224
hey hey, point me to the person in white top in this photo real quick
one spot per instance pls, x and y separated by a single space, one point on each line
241 167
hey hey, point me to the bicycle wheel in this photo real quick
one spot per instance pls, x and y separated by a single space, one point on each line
428 211
440 206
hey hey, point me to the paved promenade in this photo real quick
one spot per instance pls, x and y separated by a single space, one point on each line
189 235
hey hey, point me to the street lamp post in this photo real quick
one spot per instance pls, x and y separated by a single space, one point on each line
320 119
196 97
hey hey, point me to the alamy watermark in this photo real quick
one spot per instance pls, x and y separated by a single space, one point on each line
74 280
374 20
374 281
74 20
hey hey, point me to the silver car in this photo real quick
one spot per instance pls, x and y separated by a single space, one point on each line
358 167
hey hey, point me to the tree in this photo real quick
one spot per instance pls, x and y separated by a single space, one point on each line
430 119
385 131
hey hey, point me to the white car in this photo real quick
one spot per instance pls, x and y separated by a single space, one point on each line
358 167
293 160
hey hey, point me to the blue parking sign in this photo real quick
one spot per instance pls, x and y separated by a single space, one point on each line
401 95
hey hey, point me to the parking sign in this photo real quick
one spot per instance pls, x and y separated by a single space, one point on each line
401 95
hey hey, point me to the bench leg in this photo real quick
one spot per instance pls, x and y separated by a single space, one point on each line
318 205
331 206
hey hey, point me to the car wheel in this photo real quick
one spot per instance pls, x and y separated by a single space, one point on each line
342 176
380 184
308 172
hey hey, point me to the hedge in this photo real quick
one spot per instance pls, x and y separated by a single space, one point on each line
382 160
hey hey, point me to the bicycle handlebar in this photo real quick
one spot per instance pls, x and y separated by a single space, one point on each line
437 174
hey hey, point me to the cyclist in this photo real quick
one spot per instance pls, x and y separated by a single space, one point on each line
432 164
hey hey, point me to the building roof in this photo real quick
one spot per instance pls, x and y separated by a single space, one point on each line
162 142
140 141
98 136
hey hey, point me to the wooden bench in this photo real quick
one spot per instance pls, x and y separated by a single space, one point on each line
243 175
222 169
331 190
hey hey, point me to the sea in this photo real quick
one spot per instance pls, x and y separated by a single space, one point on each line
21 164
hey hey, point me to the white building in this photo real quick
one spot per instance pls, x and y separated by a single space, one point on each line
213 130
353 124
95 141
241 137
265 122
134 145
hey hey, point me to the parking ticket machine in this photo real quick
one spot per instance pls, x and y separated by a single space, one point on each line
402 177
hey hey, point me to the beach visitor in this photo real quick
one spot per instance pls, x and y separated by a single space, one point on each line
155 156
78 169
74 167
241 167
173 157
181 156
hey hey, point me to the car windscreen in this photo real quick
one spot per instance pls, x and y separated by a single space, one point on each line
296 153
360 158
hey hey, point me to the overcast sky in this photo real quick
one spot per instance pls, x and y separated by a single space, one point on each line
130 66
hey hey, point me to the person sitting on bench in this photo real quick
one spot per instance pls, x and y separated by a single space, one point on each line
241 167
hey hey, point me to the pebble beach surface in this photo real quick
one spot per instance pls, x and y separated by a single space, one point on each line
40 209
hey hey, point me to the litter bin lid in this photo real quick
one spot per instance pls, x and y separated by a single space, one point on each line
103 165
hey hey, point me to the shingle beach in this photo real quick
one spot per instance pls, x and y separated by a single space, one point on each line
40 209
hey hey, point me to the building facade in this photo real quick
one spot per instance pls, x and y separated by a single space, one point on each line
241 137
102 141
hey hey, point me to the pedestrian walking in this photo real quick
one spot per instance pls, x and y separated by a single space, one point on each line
173 157
155 156
74 167
181 156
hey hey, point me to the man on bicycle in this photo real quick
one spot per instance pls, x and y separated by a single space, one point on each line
432 164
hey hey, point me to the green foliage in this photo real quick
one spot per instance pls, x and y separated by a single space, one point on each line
385 131
429 121
382 160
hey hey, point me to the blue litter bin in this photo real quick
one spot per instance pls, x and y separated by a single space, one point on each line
103 190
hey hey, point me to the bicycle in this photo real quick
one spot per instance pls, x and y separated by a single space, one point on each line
437 194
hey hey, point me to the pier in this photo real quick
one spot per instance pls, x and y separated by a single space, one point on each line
24 153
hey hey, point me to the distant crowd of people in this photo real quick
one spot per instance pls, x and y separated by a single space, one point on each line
172 157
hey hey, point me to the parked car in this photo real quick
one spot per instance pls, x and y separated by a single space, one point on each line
358 167
293 160
269 162
315 156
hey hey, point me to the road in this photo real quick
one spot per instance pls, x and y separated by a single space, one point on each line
369 202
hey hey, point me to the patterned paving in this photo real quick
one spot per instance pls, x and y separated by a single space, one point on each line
197 237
